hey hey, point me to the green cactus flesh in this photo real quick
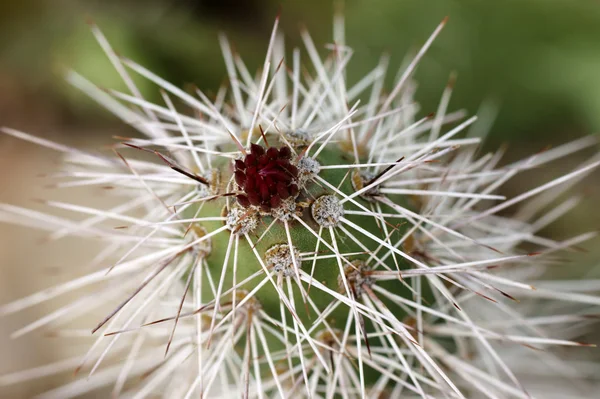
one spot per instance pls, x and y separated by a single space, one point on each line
327 270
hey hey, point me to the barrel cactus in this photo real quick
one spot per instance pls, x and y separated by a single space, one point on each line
298 235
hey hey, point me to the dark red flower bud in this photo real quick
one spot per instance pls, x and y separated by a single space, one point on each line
285 153
250 185
256 149
282 190
240 178
273 153
266 177
269 182
264 191
254 198
293 170
250 160
243 200
275 201
239 164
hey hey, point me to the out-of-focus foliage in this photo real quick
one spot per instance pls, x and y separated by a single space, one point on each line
538 58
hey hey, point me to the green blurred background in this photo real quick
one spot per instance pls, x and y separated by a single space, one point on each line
538 60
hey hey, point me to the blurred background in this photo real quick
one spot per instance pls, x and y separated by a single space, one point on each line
538 60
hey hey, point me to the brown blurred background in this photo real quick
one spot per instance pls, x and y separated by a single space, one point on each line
538 59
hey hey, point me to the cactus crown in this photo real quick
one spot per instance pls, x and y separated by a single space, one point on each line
294 242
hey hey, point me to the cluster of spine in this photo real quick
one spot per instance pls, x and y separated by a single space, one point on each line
364 257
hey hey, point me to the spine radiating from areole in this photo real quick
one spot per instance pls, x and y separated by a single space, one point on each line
301 235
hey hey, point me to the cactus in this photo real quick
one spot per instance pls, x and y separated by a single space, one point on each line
286 239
